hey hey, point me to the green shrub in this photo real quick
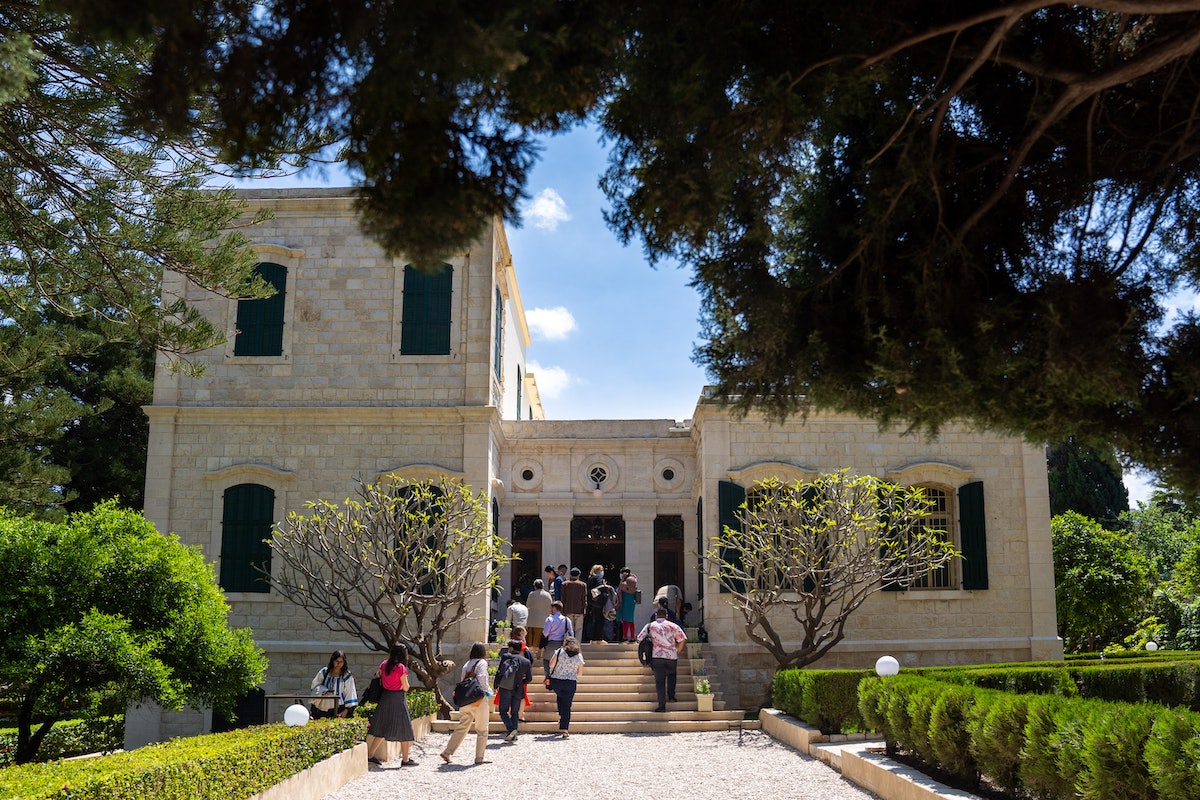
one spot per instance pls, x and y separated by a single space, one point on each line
997 736
221 766
1118 684
787 691
421 703
921 700
1114 743
829 700
74 737
872 706
1038 771
1173 755
949 731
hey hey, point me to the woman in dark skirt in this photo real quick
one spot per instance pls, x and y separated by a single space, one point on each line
391 722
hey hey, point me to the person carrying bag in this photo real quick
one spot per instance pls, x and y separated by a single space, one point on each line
473 711
566 667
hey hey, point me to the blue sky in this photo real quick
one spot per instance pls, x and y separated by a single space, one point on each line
612 337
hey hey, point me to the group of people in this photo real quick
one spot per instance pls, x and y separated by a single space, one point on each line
562 662
337 696
599 610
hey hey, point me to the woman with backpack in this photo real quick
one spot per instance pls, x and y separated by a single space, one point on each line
566 667
513 673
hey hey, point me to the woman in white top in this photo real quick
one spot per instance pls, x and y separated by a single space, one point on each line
476 714
335 683
566 667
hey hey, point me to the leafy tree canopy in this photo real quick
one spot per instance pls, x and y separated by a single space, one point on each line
816 551
913 210
101 611
1087 480
92 212
402 563
1101 583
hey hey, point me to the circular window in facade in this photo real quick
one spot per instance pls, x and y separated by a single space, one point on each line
598 474
669 475
527 476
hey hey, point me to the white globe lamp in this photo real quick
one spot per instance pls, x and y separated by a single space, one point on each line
886 665
296 716
1151 646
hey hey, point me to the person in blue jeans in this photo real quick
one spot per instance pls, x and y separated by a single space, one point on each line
566 668
512 674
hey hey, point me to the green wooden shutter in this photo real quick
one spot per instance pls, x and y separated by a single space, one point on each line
500 339
972 528
425 328
245 526
730 497
700 546
520 387
260 322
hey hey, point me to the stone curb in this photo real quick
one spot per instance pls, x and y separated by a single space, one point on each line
851 756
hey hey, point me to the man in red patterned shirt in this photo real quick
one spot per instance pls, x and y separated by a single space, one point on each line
668 639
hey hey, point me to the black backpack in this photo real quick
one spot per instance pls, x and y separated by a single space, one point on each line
646 649
507 671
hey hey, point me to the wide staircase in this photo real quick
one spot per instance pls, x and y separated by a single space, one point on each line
616 695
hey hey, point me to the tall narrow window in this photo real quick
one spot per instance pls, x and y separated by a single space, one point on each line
520 386
245 528
499 335
425 325
940 519
260 321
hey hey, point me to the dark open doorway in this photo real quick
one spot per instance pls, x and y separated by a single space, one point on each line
598 540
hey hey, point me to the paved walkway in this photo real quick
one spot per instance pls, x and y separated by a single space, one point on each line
679 766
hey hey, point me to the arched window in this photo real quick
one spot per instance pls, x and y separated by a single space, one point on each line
249 510
260 321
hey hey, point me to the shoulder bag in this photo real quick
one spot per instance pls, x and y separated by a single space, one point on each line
468 691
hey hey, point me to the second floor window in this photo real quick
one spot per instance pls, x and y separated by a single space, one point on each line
260 321
425 322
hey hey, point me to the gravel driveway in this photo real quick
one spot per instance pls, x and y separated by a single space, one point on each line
630 766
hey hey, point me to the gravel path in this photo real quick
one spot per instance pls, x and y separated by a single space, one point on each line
644 765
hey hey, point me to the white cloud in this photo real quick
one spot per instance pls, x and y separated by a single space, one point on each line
551 381
551 324
547 210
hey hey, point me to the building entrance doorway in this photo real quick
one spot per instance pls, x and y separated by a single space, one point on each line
598 540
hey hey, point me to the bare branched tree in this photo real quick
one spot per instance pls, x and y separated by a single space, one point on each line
817 551
403 563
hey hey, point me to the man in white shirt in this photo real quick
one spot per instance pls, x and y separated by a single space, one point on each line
668 639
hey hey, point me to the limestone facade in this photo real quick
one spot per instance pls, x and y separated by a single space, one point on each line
340 400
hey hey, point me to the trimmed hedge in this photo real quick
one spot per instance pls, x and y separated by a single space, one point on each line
222 766
1046 745
826 699
73 737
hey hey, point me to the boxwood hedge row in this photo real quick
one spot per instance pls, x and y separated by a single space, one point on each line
223 766
1048 745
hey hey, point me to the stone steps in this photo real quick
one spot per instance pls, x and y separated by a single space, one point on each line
617 695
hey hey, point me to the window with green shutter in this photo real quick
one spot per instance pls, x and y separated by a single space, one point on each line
249 511
425 324
730 497
260 321
520 386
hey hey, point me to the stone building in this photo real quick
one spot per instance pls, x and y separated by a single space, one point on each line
362 366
